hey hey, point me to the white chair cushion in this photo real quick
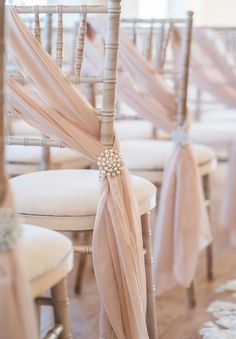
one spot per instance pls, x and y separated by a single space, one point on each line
213 134
134 129
43 250
219 116
153 154
70 193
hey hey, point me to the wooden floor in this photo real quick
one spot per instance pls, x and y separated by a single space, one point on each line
175 320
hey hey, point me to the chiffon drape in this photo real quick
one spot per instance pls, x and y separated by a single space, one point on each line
214 73
17 317
61 112
212 70
182 228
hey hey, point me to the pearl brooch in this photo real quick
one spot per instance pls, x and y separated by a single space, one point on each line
109 163
180 136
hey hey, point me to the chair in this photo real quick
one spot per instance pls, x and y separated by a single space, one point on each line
46 269
155 153
48 256
71 196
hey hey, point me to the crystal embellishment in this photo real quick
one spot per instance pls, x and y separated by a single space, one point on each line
110 163
9 229
180 136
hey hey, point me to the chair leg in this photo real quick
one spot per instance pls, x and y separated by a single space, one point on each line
80 272
209 249
151 317
60 303
191 296
82 264
38 315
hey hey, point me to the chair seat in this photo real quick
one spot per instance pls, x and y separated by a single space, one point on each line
24 159
218 135
152 155
134 129
219 116
48 256
64 194
214 133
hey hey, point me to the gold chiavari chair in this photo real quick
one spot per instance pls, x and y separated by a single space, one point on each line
71 196
147 158
47 255
155 153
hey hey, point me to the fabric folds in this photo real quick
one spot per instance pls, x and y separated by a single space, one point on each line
182 228
215 74
209 73
17 317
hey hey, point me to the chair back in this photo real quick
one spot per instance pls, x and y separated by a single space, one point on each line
49 24
153 38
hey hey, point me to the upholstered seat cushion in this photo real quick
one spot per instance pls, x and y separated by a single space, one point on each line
69 193
219 116
43 250
214 134
153 154
134 129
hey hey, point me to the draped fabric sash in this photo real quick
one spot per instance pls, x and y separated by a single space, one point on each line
182 228
61 112
212 70
215 74
17 317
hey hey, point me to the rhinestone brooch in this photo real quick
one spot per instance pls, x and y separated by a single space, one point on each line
180 136
110 163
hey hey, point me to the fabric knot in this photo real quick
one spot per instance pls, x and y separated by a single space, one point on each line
180 136
110 163
9 229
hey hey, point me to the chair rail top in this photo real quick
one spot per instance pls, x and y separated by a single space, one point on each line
80 9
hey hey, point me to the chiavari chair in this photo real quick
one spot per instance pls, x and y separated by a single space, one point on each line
71 196
152 37
147 158
47 255
155 153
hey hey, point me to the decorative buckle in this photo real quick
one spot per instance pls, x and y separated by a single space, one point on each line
180 136
110 163
10 230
